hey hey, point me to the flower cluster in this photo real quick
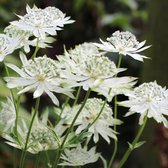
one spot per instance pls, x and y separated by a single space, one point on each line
39 74
124 43
148 99
88 119
73 125
42 21
7 45
84 157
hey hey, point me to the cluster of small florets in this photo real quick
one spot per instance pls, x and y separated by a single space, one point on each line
123 39
83 51
99 67
93 108
42 68
7 45
7 115
79 156
42 21
42 138
149 92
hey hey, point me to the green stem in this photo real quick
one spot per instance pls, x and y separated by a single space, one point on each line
69 129
16 106
15 158
115 117
28 134
48 158
77 96
66 102
129 150
115 129
37 160
36 49
119 61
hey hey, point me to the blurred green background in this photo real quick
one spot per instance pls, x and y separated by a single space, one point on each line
147 19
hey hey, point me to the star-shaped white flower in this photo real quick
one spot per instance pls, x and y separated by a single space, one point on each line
7 115
124 43
42 21
148 99
7 45
79 156
40 75
103 124
24 38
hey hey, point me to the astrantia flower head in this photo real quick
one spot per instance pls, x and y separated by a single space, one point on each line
103 123
41 137
42 21
81 52
72 58
7 116
79 156
148 99
92 71
24 38
124 43
39 74
7 45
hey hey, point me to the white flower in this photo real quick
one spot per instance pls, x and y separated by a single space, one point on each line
72 58
39 74
93 71
115 86
102 125
7 115
91 110
148 99
79 156
124 43
42 21
7 45
41 137
24 38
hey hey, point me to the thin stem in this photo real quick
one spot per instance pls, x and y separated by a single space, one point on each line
37 160
104 103
16 106
115 117
15 158
69 129
36 49
119 61
63 107
115 129
129 150
48 158
29 131
77 96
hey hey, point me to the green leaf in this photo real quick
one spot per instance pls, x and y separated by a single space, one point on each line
137 145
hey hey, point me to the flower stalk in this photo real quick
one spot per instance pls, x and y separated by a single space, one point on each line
69 130
133 144
28 134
